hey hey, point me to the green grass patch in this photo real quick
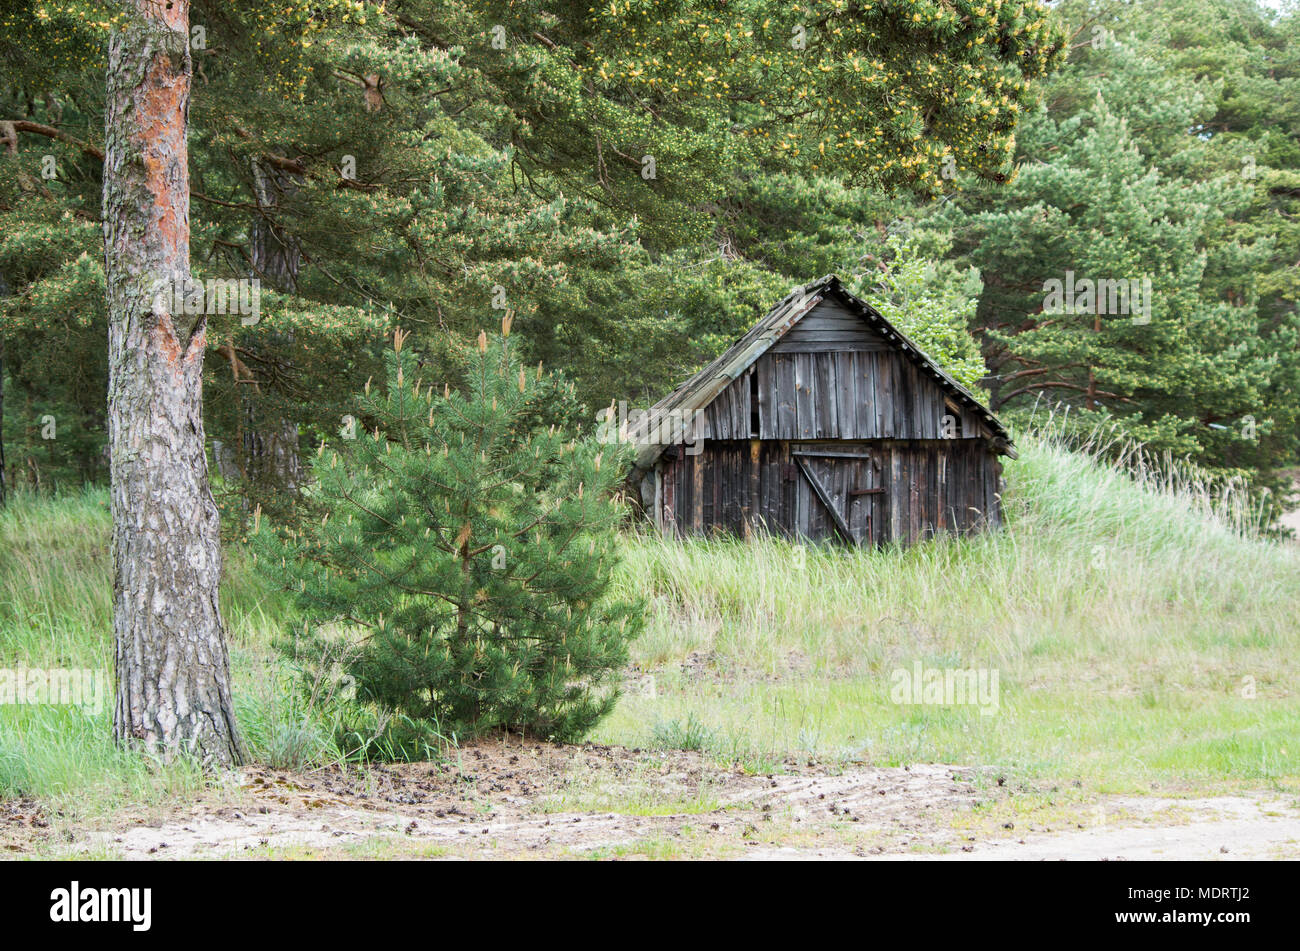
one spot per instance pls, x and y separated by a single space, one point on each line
1141 638
1138 633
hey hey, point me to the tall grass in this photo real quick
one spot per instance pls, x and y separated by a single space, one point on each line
1141 631
55 612
56 588
1127 607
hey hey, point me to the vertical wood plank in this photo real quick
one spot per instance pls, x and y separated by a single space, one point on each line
851 406
803 395
828 396
869 397
787 425
697 493
946 457
658 514
913 502
884 394
895 495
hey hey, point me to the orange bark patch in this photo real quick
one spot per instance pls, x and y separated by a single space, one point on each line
168 344
198 343
175 13
160 139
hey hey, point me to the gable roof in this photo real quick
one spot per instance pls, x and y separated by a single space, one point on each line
701 389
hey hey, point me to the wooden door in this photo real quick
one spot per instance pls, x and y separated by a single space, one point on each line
841 494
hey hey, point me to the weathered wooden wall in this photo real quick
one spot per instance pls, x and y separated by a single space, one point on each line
832 377
884 490
832 433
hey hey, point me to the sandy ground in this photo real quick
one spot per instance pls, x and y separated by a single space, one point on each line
1230 827
505 800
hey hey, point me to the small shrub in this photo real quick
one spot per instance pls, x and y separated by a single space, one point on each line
690 735
464 552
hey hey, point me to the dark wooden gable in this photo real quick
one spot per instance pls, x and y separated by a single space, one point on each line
830 326
833 376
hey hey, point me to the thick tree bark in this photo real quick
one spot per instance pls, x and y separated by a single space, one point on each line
173 670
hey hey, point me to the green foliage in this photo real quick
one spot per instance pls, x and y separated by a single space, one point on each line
1114 188
623 174
883 94
1123 617
52 337
458 556
628 331
498 147
929 300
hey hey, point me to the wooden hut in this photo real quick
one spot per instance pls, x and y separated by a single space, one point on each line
823 421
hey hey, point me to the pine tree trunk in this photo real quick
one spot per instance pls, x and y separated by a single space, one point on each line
1090 399
2 422
270 439
4 292
173 670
